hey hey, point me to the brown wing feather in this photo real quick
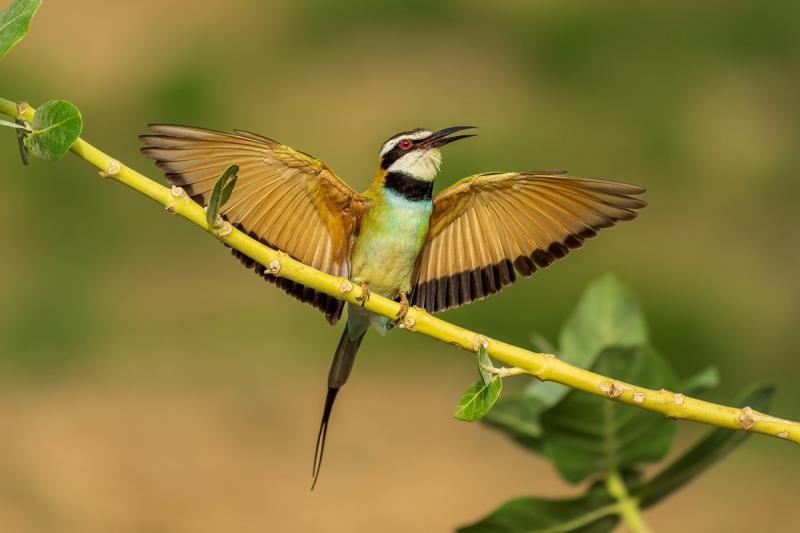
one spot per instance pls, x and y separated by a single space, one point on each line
487 226
284 198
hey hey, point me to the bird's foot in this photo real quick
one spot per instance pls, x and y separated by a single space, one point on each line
403 306
364 293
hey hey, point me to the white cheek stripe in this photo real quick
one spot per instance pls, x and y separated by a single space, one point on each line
387 147
422 164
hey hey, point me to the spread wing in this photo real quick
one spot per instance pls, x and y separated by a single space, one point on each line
486 226
286 199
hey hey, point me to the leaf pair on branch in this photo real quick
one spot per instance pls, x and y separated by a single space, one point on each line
57 124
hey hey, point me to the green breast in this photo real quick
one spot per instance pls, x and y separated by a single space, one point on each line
392 236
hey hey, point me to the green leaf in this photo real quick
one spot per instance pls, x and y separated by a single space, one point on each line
518 416
478 399
548 393
227 190
14 22
483 363
716 445
541 343
607 315
56 126
587 434
221 193
590 513
704 380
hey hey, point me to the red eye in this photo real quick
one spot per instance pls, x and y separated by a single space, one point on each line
405 144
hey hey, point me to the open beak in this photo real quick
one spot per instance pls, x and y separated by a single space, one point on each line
441 137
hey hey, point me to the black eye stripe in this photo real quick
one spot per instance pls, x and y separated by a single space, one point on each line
391 156
397 152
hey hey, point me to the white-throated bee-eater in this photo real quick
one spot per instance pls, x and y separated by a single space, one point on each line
396 239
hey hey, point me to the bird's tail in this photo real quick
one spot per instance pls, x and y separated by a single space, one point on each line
340 370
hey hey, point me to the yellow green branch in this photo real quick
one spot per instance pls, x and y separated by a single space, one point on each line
546 367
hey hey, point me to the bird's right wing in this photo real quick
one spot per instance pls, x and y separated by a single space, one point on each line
486 226
286 199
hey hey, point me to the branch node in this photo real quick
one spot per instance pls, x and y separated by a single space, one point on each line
345 286
274 267
224 229
679 398
613 389
783 434
748 418
478 341
22 107
616 389
639 396
408 323
541 373
175 192
218 224
112 169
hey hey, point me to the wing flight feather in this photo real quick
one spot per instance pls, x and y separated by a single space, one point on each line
286 199
487 226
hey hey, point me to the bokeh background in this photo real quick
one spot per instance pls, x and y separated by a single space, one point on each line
148 383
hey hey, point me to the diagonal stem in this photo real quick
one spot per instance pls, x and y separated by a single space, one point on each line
583 520
628 507
546 367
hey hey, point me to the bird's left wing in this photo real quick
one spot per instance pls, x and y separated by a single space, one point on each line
486 226
283 197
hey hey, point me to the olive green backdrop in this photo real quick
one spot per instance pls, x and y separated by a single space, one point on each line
149 383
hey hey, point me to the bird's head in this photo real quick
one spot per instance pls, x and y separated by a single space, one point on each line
416 152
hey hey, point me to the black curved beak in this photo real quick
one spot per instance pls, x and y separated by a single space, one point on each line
441 137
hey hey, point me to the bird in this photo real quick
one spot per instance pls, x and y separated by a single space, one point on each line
395 239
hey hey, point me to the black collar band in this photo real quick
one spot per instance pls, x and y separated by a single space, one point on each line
408 186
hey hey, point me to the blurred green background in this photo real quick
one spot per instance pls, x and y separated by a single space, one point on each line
149 383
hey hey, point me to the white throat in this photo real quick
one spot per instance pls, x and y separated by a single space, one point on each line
422 164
